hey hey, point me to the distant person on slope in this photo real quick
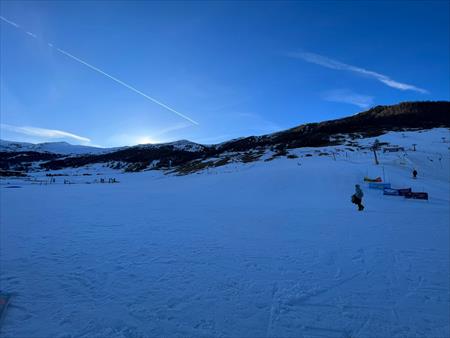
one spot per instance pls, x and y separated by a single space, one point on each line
357 197
414 173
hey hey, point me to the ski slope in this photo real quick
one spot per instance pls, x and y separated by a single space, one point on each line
263 249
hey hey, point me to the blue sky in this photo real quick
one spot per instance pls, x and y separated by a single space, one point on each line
234 68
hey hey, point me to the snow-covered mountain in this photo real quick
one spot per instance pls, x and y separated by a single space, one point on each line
183 145
189 155
271 248
65 148
62 148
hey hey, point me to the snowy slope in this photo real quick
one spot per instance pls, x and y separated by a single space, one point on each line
177 145
52 147
265 249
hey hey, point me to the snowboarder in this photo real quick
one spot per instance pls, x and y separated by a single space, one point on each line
357 197
414 173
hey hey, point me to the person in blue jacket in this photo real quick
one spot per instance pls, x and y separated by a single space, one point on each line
357 197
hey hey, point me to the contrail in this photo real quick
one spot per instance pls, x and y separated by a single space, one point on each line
10 22
105 74
126 85
32 35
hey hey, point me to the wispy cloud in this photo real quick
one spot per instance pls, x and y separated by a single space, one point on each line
171 129
43 132
334 64
348 96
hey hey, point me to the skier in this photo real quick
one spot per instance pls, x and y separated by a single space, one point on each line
414 173
357 197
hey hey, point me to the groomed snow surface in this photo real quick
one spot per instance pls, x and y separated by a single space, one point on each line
264 249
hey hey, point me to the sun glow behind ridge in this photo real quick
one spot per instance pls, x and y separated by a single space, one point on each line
146 140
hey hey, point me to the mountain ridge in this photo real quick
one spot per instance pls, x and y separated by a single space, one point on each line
373 122
410 108
60 147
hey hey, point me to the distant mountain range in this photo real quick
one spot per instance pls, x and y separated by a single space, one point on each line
63 148
376 121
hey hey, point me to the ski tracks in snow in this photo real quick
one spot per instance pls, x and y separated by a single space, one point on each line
227 256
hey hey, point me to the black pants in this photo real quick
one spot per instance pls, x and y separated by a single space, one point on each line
358 202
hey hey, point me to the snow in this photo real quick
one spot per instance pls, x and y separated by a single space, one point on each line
183 145
244 250
63 148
